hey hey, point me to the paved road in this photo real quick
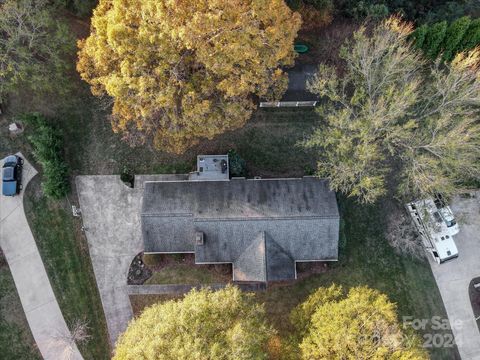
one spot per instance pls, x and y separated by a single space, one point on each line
111 217
38 300
453 277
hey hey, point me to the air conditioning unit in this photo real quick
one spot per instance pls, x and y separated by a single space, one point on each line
199 238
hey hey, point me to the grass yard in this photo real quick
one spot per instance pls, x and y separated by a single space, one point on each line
68 265
186 274
16 341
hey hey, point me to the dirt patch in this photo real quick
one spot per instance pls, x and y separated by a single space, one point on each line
140 302
181 269
306 269
325 42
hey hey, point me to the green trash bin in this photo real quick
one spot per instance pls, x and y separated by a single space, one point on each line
300 48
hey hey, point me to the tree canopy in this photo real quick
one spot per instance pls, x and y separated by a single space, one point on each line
33 47
391 116
179 71
361 325
224 324
448 40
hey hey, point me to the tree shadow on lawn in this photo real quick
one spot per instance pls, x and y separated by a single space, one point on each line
267 142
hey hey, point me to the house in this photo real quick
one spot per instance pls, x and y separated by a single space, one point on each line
263 227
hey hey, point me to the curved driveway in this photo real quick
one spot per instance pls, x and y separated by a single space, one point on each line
453 277
38 300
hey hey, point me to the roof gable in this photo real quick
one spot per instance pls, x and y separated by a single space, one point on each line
251 264
279 263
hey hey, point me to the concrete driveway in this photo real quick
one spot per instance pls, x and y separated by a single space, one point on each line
111 218
453 277
36 295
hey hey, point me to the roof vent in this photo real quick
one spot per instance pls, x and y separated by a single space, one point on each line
199 238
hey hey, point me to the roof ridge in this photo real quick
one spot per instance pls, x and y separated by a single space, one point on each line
252 247
303 217
265 260
166 215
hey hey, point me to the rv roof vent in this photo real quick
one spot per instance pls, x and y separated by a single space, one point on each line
199 238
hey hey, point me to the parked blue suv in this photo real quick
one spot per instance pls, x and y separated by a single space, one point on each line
12 175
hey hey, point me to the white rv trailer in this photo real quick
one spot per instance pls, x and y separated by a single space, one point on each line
436 225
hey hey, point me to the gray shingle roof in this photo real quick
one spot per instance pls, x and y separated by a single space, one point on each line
290 219
251 264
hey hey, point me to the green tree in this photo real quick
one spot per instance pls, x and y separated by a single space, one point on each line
419 36
180 71
48 151
440 38
361 325
206 324
453 37
472 36
34 47
79 7
391 116
434 39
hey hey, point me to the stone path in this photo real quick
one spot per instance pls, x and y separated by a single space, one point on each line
182 289
36 295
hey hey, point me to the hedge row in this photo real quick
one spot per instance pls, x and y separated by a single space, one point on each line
447 40
48 151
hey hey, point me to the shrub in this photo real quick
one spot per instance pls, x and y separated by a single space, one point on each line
453 37
316 16
365 9
434 38
452 10
237 165
152 259
127 176
48 151
471 38
419 35
325 5
79 7
294 4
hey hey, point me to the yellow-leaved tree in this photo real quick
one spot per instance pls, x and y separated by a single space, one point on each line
225 324
181 70
362 324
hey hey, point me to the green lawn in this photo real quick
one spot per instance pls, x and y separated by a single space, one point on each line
16 341
65 255
187 274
